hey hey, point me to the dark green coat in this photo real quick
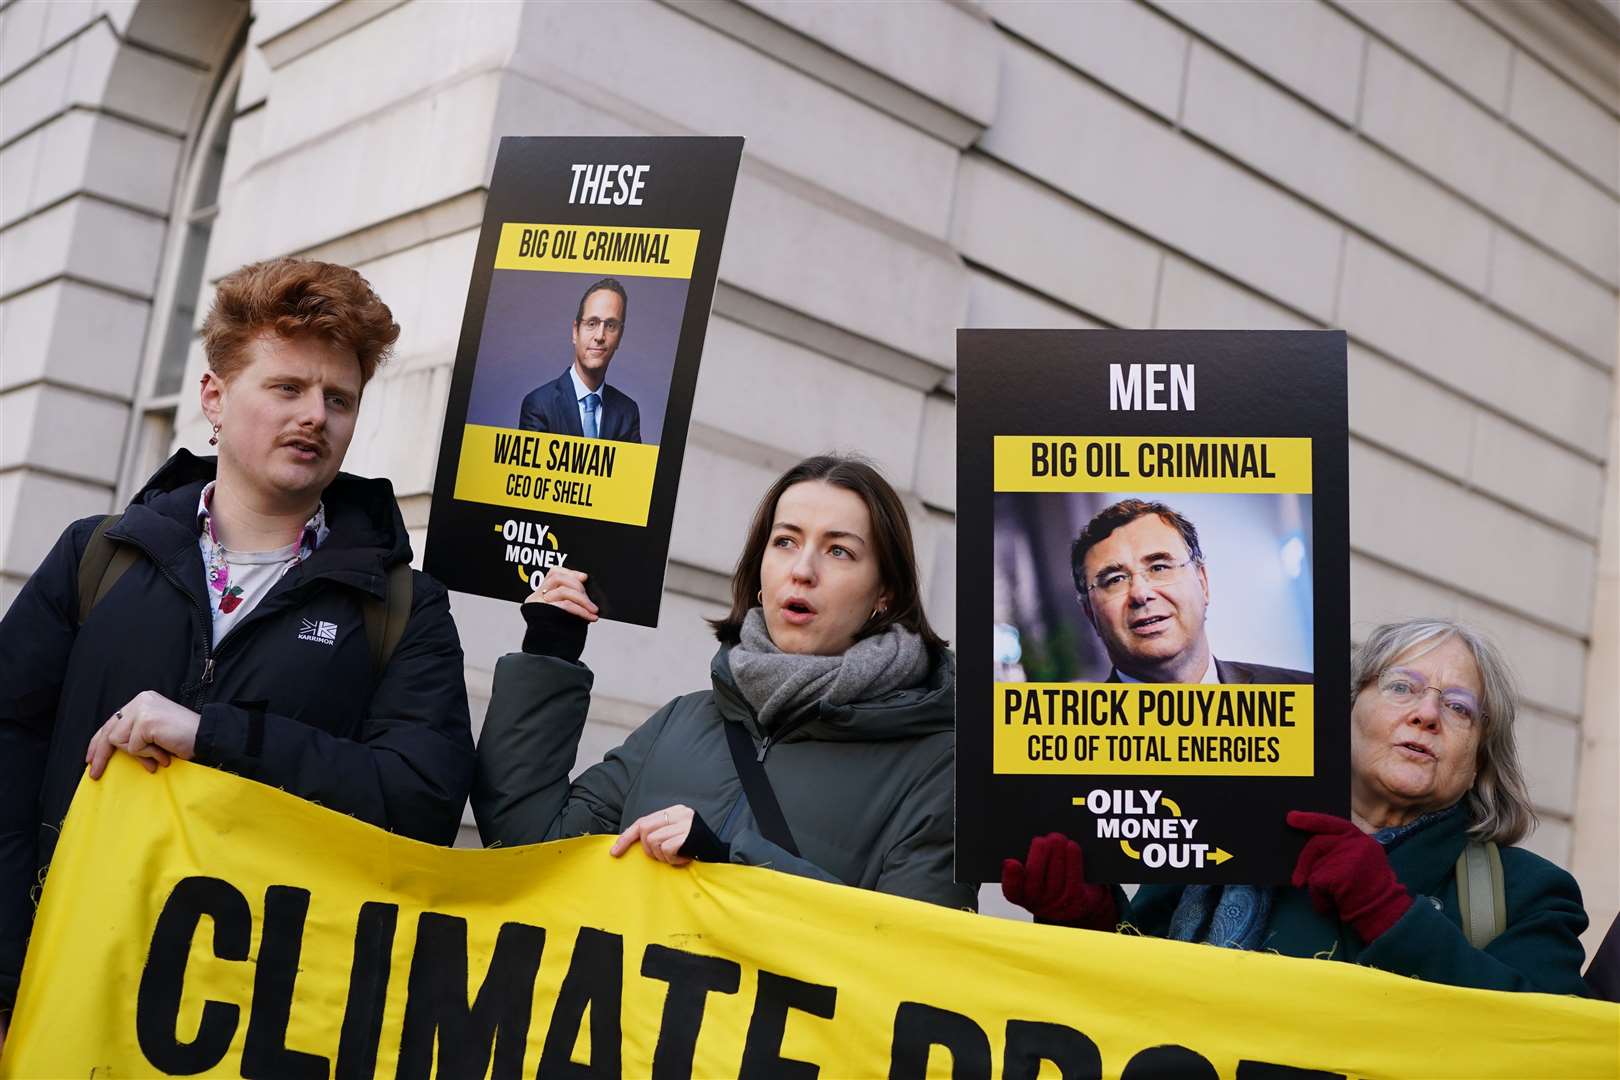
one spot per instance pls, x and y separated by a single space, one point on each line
1540 950
866 788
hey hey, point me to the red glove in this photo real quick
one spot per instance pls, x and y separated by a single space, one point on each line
1051 885
1348 874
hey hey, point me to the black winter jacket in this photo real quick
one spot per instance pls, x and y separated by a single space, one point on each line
280 702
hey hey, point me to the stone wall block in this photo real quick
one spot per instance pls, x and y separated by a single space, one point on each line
30 534
1400 310
1448 136
1549 749
807 256
397 434
1192 298
936 453
427 46
22 33
86 152
417 154
200 30
1083 258
1392 407
1445 36
1308 47
940 51
1551 295
63 431
1517 561
84 237
1558 116
996 303
1324 162
709 83
1132 167
1544 478
716 502
867 413
1120 43
74 334
1552 840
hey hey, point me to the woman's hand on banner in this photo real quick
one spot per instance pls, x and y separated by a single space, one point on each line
661 834
151 728
565 589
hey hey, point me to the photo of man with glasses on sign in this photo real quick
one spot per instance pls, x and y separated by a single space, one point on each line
579 401
1142 582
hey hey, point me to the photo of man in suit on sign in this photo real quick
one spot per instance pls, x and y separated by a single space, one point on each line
579 401
1140 575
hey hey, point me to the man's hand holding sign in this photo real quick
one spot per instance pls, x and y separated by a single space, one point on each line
151 729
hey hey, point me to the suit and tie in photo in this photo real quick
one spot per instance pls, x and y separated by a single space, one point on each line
553 407
579 401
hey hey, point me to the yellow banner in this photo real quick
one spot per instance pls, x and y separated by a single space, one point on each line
606 250
198 923
562 474
1150 729
1159 463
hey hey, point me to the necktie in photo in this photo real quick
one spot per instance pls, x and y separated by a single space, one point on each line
593 402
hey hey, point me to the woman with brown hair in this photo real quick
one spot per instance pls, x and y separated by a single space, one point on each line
825 744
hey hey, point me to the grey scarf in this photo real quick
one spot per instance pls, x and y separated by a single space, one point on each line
778 684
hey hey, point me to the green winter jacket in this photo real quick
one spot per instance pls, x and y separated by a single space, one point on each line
1539 951
866 788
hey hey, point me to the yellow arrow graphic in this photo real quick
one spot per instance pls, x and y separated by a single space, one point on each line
1126 846
1171 803
1220 856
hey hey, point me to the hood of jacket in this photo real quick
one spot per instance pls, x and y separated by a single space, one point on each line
367 534
924 709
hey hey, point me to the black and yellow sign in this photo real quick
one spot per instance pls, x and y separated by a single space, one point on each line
1153 568
199 924
566 423
564 474
1115 729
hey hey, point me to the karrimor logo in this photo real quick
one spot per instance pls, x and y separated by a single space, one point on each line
531 547
322 633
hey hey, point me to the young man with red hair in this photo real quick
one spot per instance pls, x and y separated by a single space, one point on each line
255 612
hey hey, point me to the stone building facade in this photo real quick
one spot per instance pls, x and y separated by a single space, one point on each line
1439 179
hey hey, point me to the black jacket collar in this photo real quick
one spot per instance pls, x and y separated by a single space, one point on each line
367 532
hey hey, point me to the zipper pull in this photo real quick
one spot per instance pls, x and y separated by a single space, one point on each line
208 671
765 744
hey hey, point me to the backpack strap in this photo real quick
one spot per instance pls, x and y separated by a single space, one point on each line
385 619
104 561
1481 896
757 788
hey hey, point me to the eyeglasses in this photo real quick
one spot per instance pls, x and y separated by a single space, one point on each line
593 324
1112 583
1403 690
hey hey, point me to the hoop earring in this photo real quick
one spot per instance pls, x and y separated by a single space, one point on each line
213 440
760 596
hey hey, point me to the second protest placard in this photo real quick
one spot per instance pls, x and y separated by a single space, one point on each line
1153 598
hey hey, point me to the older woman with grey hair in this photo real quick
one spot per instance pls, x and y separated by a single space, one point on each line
1423 879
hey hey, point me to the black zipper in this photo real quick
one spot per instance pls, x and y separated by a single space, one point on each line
775 737
204 622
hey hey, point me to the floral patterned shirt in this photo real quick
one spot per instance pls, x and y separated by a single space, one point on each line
238 580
